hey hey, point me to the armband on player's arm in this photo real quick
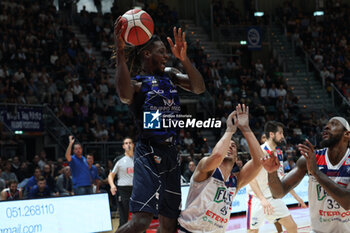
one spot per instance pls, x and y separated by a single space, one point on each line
182 80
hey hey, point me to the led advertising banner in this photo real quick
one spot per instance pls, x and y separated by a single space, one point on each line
85 213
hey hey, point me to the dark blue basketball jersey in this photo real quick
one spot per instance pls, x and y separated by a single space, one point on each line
156 93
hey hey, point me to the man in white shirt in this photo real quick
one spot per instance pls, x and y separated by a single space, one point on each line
124 169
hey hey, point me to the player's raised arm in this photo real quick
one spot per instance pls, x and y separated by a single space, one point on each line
208 164
252 168
193 81
124 86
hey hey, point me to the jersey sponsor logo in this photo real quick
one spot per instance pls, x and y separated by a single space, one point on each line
215 217
321 193
334 213
223 195
168 102
129 170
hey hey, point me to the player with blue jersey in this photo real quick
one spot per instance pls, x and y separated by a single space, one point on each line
152 93
329 178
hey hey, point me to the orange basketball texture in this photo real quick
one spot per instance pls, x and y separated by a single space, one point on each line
139 27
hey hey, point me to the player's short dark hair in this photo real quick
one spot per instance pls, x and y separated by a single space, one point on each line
272 126
128 138
11 182
41 178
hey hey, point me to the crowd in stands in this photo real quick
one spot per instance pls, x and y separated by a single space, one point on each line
325 39
42 61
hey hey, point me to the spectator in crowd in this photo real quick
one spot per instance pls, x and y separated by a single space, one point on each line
15 166
2 181
42 162
12 192
189 171
289 164
80 170
23 172
50 180
95 179
124 169
34 164
58 170
40 190
64 182
7 175
33 180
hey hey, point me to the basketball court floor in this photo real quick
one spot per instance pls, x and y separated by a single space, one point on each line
238 223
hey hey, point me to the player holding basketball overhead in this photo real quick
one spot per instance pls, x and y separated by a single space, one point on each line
156 185
213 185
261 205
329 178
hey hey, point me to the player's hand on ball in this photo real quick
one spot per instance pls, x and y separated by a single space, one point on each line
118 39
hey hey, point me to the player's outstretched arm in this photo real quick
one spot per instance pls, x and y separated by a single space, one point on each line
208 164
280 188
124 86
251 169
338 192
193 81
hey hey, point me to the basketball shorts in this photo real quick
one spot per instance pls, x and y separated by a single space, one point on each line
255 212
156 183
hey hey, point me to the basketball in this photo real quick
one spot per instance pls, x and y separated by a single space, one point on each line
139 27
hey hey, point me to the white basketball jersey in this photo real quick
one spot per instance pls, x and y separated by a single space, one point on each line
124 169
262 177
326 214
209 204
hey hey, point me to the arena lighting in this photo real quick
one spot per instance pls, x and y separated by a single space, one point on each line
318 13
243 42
259 14
18 132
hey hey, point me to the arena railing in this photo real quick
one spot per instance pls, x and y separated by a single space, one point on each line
339 99
103 151
336 95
